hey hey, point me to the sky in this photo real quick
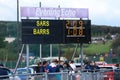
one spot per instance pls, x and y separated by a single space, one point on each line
101 12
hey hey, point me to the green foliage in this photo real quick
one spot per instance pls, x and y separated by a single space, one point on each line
2 35
116 43
68 51
8 29
2 42
104 30
7 54
116 46
11 29
8 51
89 49
97 48
35 48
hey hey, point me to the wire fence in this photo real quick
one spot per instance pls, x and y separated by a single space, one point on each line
114 75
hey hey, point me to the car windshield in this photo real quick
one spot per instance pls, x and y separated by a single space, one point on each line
7 70
22 71
106 68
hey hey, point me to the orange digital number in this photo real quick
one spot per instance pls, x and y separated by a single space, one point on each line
81 28
67 24
68 31
74 32
67 27
74 28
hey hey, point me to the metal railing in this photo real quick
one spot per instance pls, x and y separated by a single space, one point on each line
68 75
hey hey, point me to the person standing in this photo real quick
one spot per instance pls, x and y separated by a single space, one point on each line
72 65
50 68
117 72
46 66
39 68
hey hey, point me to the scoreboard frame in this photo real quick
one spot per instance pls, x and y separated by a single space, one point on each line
43 31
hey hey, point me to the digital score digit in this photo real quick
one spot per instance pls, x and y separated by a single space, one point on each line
81 28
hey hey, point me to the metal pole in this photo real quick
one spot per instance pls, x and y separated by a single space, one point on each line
59 50
18 27
18 37
18 10
18 21
40 52
81 53
51 52
59 53
40 44
19 58
74 51
27 51
40 4
18 31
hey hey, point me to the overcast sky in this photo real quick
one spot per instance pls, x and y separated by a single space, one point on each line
101 12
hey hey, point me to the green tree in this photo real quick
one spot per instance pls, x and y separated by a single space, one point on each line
2 35
116 46
2 42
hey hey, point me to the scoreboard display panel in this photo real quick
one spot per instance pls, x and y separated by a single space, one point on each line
39 31
77 31
42 31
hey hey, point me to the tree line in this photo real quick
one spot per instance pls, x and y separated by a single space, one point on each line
97 30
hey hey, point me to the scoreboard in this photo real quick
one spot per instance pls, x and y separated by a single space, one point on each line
38 31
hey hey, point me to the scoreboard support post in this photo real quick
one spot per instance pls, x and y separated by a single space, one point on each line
27 51
51 52
40 44
81 54
41 52
75 51
20 54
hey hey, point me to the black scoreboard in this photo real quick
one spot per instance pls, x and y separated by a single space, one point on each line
38 31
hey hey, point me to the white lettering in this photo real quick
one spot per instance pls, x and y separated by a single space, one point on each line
54 12
38 12
43 12
68 13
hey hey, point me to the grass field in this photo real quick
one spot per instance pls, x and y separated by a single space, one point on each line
97 48
91 49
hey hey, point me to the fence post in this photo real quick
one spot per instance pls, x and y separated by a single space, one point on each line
61 74
46 76
67 75
71 76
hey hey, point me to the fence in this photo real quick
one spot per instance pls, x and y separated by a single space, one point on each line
69 76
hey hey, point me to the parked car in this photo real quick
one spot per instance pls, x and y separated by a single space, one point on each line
99 63
7 74
108 72
33 67
23 74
